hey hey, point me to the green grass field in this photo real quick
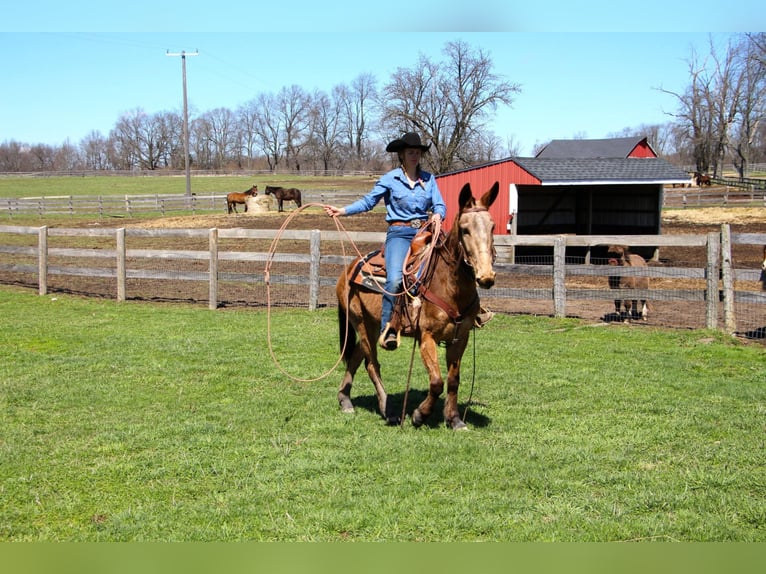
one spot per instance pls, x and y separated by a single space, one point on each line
140 422
11 186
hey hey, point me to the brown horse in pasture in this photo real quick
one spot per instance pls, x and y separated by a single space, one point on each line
232 199
284 194
448 305
620 255
702 179
763 269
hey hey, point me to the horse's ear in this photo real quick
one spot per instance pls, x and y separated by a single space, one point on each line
489 198
466 198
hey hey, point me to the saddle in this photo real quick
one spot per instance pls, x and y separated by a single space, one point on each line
370 273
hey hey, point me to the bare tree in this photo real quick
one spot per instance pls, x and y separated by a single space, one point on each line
752 102
137 139
268 128
694 114
358 105
325 122
218 128
293 109
448 102
247 119
95 151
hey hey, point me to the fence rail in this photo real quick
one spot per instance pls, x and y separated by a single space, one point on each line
724 196
131 205
719 294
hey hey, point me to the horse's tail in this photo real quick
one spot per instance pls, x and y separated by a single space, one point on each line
346 334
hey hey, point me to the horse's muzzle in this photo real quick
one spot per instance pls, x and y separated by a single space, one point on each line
486 281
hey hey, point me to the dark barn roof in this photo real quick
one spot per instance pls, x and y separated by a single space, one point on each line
602 171
593 149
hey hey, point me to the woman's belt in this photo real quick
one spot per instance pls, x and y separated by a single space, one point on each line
415 223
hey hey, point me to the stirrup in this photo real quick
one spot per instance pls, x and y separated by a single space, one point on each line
389 338
484 317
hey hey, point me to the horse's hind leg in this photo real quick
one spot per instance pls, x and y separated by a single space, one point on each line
344 390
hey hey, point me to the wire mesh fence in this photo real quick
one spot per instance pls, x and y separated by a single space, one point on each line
693 280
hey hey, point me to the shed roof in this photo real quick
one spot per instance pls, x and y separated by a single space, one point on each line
599 148
599 171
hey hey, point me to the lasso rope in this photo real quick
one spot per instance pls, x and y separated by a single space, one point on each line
267 279
341 229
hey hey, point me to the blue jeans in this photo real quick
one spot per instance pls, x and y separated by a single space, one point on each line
398 239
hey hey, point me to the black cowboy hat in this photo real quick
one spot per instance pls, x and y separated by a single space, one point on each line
410 139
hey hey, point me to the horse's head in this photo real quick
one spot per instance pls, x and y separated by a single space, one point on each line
475 228
269 190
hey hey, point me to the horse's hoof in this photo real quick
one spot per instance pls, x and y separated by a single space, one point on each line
393 421
346 406
457 424
417 418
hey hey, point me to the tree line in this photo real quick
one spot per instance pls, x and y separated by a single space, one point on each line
449 101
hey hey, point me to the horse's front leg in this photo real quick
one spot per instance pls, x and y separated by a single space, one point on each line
451 413
430 356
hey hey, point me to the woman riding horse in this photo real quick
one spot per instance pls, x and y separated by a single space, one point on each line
447 309
410 194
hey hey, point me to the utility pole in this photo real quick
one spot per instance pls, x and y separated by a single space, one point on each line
183 55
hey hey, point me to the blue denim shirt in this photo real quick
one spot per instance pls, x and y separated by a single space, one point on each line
403 203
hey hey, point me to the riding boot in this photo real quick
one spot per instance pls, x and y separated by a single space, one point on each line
388 336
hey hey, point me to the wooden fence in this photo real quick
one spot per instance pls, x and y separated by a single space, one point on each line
720 195
561 279
132 205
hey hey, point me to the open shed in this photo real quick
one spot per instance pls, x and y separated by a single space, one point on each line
549 194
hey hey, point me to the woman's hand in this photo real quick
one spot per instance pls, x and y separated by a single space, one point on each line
333 211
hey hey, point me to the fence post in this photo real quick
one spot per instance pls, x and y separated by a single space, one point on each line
559 276
711 300
213 272
729 320
121 263
315 253
42 260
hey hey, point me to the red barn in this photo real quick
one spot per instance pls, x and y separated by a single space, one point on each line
585 187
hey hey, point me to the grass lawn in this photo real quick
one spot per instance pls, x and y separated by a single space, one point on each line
142 422
16 187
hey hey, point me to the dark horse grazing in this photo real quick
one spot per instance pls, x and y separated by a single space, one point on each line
284 194
702 179
232 199
449 306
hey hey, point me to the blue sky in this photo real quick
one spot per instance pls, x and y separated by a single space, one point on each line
69 71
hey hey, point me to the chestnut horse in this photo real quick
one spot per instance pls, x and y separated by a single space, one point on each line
702 179
763 269
284 194
232 199
620 255
449 303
